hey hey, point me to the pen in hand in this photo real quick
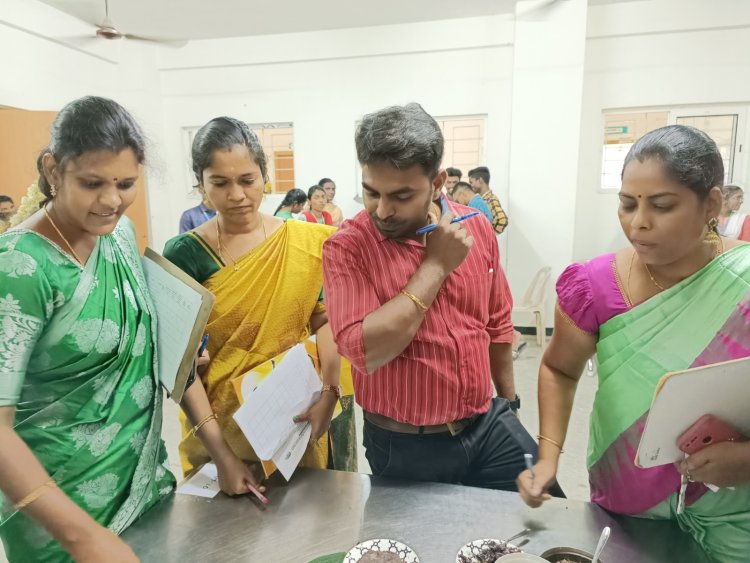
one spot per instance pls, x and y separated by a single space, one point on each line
257 493
429 228
204 344
529 459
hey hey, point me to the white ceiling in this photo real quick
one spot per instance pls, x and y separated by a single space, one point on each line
204 19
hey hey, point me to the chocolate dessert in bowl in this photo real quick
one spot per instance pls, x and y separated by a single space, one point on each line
568 555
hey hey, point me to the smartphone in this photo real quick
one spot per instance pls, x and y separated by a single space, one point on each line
708 430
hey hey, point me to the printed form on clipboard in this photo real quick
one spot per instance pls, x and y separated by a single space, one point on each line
182 307
682 397
271 395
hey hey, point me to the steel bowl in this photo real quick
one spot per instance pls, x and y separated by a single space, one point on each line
571 554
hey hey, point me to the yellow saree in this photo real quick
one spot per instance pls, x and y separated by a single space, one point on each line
263 307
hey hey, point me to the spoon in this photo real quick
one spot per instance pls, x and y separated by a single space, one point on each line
518 535
600 546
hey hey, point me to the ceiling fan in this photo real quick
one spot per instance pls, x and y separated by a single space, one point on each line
107 30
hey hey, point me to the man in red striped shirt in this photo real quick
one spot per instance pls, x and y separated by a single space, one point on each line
424 320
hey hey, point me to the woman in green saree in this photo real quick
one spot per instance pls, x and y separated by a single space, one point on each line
80 404
679 297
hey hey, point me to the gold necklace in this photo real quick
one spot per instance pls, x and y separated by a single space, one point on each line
718 251
223 249
54 226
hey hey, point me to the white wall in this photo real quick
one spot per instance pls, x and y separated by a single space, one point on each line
50 58
324 82
652 54
647 53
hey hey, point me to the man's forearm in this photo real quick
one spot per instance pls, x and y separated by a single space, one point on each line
501 367
388 330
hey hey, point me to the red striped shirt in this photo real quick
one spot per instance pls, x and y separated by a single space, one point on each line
444 374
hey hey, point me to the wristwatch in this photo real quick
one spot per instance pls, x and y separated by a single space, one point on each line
515 404
335 388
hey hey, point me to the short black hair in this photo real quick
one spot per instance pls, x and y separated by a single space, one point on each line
401 137
6 199
481 172
462 186
690 157
455 172
323 181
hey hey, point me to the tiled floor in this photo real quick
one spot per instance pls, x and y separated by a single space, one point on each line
572 474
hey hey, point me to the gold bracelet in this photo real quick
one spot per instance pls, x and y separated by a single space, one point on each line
416 300
336 389
35 494
198 426
551 441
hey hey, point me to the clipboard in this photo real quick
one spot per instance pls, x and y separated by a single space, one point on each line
682 397
182 307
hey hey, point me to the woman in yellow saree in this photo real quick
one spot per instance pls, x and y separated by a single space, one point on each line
267 277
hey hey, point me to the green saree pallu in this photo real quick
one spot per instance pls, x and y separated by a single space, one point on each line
703 320
77 361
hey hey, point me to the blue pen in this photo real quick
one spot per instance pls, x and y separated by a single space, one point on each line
430 228
204 343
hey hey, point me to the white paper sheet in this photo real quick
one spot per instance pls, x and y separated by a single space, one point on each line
177 307
205 483
287 457
266 415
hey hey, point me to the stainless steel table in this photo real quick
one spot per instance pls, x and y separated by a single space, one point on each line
322 512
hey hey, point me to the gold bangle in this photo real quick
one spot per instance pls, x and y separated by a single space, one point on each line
198 426
416 300
336 389
551 441
35 494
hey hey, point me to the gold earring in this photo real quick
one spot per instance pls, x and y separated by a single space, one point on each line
52 190
713 232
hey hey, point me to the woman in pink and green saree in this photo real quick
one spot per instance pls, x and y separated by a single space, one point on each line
678 297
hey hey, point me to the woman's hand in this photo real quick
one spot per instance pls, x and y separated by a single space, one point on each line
100 545
235 476
726 464
319 415
201 363
534 491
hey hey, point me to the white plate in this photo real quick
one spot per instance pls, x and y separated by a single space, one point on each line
402 550
475 548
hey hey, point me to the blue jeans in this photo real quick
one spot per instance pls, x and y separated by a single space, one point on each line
487 454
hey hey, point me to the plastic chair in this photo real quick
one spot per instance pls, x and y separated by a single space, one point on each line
533 302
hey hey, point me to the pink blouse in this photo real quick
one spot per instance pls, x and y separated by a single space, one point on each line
591 293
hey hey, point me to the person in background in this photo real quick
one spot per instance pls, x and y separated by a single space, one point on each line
732 223
267 277
677 297
292 204
80 401
317 201
454 177
479 178
337 216
7 207
463 194
196 216
424 319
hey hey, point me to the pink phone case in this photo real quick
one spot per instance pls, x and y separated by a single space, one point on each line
708 430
